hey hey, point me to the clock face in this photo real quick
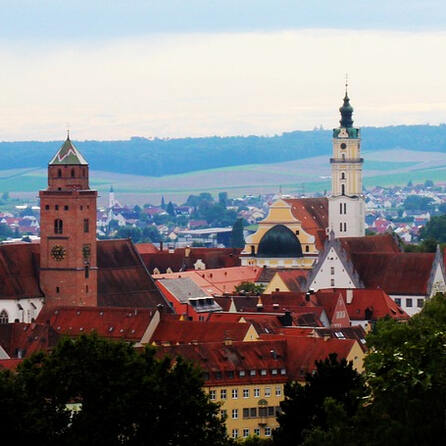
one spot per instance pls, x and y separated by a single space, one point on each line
58 252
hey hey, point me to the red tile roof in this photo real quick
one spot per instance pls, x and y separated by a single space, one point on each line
19 266
186 332
21 339
123 280
375 300
110 322
294 279
10 364
146 248
313 214
370 244
397 273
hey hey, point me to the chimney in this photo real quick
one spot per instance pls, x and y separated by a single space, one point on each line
349 296
259 304
307 296
187 251
161 246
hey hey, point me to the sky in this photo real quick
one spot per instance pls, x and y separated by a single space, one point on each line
168 68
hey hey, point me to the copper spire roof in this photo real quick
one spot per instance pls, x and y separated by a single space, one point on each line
68 154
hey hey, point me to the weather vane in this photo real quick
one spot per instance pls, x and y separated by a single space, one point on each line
346 82
68 130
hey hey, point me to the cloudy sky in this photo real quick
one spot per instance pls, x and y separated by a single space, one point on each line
169 68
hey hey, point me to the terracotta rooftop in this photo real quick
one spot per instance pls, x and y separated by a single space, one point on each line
19 271
396 273
313 214
370 244
186 332
110 322
294 279
123 280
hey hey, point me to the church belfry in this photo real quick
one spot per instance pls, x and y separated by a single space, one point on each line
68 266
346 202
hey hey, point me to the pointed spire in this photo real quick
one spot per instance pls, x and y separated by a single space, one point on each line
68 154
346 109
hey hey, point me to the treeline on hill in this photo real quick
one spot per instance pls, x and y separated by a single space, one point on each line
158 157
135 398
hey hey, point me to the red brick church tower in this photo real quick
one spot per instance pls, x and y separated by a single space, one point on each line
68 266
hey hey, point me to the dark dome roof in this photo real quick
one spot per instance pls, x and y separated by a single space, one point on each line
279 241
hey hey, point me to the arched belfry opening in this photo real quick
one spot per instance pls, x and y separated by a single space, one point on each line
279 241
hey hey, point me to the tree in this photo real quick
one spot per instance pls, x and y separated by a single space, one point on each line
305 406
223 198
237 238
126 397
151 234
131 232
170 209
435 229
249 288
417 203
163 203
428 183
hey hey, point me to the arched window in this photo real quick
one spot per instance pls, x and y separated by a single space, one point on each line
59 172
58 226
340 208
253 250
345 208
345 227
343 189
342 175
72 173
340 227
4 318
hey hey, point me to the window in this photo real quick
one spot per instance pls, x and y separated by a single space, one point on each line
47 206
223 413
245 432
65 208
56 207
263 412
234 414
274 372
257 431
87 272
267 391
340 227
234 394
283 371
343 176
58 226
253 412
212 395
307 248
398 301
59 172
245 412
345 208
223 394
278 390
241 373
234 433
86 289
420 303
217 375
252 372
57 290
332 270
256 392
267 432
332 282
245 393
263 372
4 318
86 225
408 303
343 189
343 145
345 227
340 208
72 173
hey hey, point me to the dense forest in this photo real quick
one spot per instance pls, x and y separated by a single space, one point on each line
158 157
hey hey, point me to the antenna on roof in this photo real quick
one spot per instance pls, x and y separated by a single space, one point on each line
346 83
68 130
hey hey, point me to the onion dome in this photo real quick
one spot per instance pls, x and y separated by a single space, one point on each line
346 112
279 241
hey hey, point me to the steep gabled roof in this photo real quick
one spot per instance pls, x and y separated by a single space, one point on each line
19 271
370 244
123 280
313 215
397 273
68 155
174 332
110 322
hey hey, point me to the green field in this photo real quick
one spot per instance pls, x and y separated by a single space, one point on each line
384 168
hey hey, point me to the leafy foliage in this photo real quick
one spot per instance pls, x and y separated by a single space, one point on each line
126 397
435 229
249 288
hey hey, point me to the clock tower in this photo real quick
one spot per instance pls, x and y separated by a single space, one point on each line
68 267
346 211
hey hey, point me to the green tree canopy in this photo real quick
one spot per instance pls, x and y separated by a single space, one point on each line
417 203
125 397
435 229
237 238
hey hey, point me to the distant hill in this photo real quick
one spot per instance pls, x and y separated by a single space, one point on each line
160 157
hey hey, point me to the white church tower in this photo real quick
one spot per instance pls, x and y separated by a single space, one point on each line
346 214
